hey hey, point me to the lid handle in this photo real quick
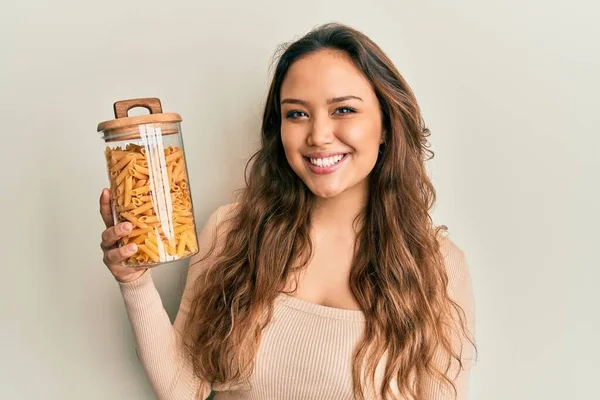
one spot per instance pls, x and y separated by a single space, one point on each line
152 104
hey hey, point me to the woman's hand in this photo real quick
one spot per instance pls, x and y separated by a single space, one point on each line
113 255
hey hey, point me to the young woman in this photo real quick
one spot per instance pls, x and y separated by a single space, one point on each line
328 279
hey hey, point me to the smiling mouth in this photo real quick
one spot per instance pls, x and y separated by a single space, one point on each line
326 162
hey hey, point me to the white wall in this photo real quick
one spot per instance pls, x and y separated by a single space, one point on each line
509 90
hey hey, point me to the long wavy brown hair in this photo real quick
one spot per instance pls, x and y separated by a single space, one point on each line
397 276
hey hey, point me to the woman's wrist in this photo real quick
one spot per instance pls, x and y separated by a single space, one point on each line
131 277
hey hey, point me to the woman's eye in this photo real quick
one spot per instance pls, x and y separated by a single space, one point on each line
344 110
295 114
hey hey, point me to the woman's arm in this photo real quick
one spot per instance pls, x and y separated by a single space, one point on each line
461 291
158 343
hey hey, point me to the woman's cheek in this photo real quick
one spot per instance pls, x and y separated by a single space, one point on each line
362 136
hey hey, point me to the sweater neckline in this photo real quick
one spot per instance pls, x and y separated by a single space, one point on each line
321 310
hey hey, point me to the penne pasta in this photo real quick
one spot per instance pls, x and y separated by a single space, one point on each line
124 161
154 239
182 213
141 170
134 147
170 173
149 252
184 220
163 232
141 190
118 154
181 246
170 150
142 208
173 156
122 209
128 188
137 232
149 219
120 194
135 221
178 168
190 243
180 177
137 174
183 228
139 240
151 246
171 246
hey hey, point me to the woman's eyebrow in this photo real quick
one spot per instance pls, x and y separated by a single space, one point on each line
343 98
330 101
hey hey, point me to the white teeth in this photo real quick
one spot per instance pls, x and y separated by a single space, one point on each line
326 162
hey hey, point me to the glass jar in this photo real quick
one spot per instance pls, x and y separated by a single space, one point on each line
149 182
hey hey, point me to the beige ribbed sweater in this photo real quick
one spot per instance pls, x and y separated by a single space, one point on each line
305 353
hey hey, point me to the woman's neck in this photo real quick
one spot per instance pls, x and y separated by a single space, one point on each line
340 211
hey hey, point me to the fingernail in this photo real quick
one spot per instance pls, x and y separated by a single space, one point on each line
132 248
126 227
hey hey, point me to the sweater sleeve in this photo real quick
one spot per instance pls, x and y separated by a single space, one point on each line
460 289
158 343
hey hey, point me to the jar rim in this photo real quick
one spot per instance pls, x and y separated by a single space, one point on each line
121 123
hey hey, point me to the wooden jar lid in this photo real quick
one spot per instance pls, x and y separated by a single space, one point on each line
124 127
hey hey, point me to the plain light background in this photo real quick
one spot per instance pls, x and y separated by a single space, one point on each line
509 90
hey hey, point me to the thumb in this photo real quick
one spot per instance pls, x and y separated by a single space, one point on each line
105 208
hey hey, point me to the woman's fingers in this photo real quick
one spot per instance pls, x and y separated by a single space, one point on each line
105 210
111 235
118 255
114 256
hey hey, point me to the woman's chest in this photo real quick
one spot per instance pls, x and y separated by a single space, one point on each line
305 355
325 280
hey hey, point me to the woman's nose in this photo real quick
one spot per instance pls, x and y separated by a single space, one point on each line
321 133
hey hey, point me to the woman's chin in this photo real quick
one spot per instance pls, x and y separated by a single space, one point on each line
326 192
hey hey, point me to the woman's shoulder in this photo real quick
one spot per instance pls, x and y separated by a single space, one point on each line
455 260
212 236
221 220
226 211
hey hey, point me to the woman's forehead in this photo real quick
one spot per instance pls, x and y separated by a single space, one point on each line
324 74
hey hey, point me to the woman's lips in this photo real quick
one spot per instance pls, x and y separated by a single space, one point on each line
324 170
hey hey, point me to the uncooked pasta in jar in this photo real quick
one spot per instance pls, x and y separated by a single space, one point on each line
149 187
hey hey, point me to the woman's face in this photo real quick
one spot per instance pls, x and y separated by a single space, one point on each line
331 123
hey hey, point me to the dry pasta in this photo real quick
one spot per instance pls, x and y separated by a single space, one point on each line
152 192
